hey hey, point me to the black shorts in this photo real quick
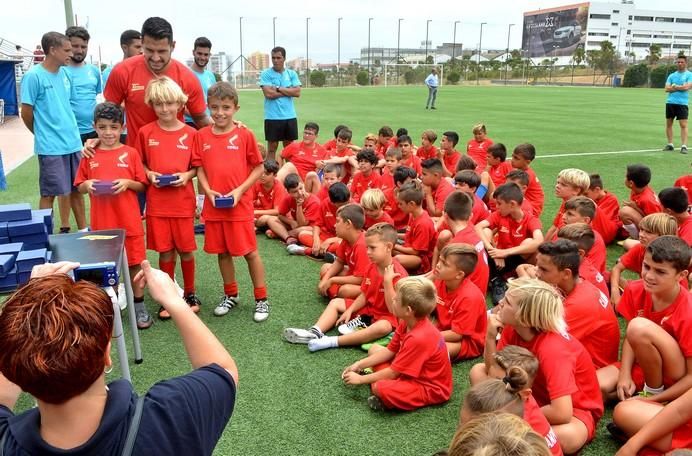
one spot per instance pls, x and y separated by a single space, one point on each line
56 173
281 130
676 111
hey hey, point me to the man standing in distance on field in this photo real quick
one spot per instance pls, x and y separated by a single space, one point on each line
678 85
201 53
279 85
432 81
129 79
46 112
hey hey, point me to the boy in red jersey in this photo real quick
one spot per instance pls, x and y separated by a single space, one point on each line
419 242
608 223
518 233
643 200
330 175
303 157
228 165
298 211
521 178
344 276
420 373
330 146
322 238
408 158
657 352
584 236
269 192
385 140
369 316
402 175
392 161
367 177
477 148
570 182
685 183
116 207
342 156
522 157
497 165
447 153
581 209
436 187
674 202
373 203
166 149
427 147
460 312
588 313
468 181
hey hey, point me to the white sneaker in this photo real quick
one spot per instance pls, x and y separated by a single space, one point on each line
122 297
299 336
295 249
352 326
226 304
261 310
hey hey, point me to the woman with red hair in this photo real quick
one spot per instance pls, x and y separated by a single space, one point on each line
56 346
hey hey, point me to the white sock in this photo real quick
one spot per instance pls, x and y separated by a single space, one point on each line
83 230
632 230
317 331
323 343
684 145
650 390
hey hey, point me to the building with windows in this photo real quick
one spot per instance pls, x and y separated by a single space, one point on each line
218 63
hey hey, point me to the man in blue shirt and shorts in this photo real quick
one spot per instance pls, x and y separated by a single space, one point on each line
201 53
678 85
279 85
86 82
46 111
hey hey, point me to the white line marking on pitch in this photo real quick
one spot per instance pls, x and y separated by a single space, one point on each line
614 152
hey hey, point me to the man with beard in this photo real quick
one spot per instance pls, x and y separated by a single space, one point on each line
86 82
46 112
201 54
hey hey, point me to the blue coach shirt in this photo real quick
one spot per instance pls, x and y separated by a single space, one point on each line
679 78
86 84
55 126
206 79
279 108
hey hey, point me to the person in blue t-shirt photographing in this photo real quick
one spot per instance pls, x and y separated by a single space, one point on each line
279 85
678 85
47 89
56 336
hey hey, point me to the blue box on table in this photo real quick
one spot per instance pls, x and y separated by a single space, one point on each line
46 215
6 264
10 280
11 248
27 259
34 225
12 212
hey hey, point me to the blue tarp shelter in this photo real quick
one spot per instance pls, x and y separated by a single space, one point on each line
8 87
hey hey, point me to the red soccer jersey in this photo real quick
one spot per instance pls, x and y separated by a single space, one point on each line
479 211
227 160
384 218
633 258
538 422
510 232
423 153
311 208
450 160
168 152
414 163
498 173
647 201
685 182
607 220
528 208
463 311
303 157
114 211
129 79
440 194
676 319
323 194
354 256
392 208
564 368
373 289
478 151
598 254
685 230
387 180
268 198
558 221
591 320
361 183
327 220
534 192
348 169
421 356
588 272
481 273
330 145
421 235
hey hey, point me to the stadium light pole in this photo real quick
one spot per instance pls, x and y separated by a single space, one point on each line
307 52
427 28
338 50
69 16
509 30
369 69
398 41
480 46
454 41
242 72
274 30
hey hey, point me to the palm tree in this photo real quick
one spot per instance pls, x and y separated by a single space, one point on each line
654 54
578 56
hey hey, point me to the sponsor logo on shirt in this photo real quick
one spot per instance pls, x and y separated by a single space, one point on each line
136 87
665 319
206 146
121 161
440 301
181 143
93 164
153 142
231 143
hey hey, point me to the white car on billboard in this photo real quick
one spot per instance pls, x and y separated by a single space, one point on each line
567 34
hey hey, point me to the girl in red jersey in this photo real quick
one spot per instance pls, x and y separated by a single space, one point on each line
477 148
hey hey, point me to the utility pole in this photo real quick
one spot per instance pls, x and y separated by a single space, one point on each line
69 16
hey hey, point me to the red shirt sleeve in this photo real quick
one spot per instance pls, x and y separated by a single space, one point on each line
395 343
494 220
311 210
627 307
116 87
82 172
285 205
287 152
421 236
532 225
196 160
141 145
196 104
139 174
632 259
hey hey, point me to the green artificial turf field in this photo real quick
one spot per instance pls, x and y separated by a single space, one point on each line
293 402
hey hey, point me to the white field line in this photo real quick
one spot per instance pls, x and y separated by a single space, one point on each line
613 152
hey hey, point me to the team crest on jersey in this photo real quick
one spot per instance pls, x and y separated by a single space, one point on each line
153 142
122 163
206 146
231 143
136 87
665 319
181 142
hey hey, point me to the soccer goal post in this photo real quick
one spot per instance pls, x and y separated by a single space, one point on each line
409 73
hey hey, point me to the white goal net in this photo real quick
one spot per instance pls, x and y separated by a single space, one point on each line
409 74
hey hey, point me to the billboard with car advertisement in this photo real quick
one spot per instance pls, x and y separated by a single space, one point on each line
555 32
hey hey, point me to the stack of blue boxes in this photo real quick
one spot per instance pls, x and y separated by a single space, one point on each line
23 242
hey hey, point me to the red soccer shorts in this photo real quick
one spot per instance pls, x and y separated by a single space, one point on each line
400 394
236 238
168 233
585 417
134 246
638 376
469 349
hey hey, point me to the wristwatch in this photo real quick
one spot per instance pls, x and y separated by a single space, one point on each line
277 89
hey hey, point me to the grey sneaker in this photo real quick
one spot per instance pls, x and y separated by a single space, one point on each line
352 326
144 320
261 310
295 249
299 336
226 304
683 150
668 147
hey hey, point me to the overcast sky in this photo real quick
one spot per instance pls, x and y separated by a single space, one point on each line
26 20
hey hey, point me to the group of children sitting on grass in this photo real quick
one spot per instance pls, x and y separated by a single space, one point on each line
415 239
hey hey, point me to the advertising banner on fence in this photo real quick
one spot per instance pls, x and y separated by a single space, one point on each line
555 32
